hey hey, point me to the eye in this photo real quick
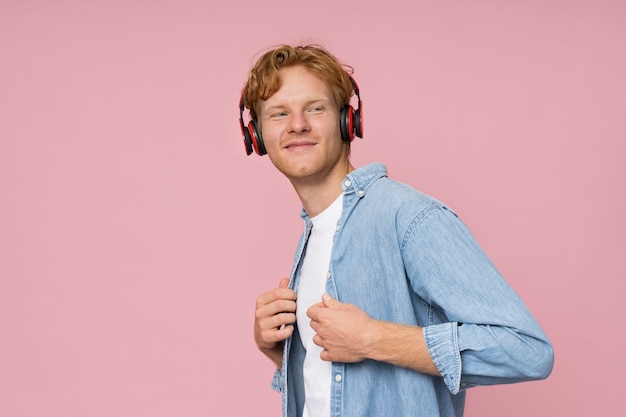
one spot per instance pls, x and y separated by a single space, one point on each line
316 109
278 115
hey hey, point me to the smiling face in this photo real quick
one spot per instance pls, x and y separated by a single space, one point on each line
300 128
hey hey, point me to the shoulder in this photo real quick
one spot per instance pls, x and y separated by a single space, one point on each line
388 197
373 178
402 197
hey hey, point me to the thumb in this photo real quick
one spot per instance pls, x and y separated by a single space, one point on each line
284 283
329 301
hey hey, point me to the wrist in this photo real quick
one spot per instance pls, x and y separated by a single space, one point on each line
378 338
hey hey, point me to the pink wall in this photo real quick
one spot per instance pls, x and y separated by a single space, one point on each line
135 234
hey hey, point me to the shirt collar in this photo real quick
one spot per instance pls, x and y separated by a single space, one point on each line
360 180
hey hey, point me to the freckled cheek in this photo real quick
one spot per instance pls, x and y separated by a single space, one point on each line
269 138
272 142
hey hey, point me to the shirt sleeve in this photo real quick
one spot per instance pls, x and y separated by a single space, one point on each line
443 346
480 333
278 381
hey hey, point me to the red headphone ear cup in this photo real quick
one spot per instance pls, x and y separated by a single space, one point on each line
247 141
257 140
358 121
346 123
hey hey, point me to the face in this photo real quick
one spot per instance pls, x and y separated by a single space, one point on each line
300 129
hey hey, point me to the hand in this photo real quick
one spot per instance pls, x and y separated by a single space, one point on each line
341 330
347 334
273 320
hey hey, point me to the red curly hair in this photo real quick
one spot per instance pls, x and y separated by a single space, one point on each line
264 81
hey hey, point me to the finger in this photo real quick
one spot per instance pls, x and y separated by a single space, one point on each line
275 308
284 306
269 338
318 340
329 301
275 294
325 355
314 311
314 325
278 320
284 283
283 333
269 325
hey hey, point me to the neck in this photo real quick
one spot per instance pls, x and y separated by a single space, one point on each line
317 195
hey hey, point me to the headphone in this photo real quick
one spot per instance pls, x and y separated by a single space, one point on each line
350 124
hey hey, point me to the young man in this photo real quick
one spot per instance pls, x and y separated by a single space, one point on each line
392 308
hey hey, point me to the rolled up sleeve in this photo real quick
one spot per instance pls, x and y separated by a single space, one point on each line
443 346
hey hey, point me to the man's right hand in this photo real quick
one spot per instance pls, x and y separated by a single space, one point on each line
274 317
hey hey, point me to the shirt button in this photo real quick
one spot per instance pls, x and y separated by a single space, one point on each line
347 183
360 193
338 378
328 275
338 227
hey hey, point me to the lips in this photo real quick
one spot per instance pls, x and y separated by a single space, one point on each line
299 144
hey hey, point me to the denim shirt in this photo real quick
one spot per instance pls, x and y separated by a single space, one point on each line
404 257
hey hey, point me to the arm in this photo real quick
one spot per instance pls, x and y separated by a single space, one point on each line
348 334
273 320
499 341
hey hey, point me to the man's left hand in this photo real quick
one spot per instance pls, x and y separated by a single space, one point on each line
342 330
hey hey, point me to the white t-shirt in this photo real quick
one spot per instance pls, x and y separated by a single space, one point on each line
317 373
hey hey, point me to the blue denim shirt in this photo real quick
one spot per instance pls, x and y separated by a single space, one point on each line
404 257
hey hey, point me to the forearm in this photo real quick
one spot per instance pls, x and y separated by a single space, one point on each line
400 345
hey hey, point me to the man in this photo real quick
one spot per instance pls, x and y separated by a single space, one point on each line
392 309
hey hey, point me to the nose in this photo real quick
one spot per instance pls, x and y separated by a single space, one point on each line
298 123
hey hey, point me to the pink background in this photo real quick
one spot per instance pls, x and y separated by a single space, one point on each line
135 234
